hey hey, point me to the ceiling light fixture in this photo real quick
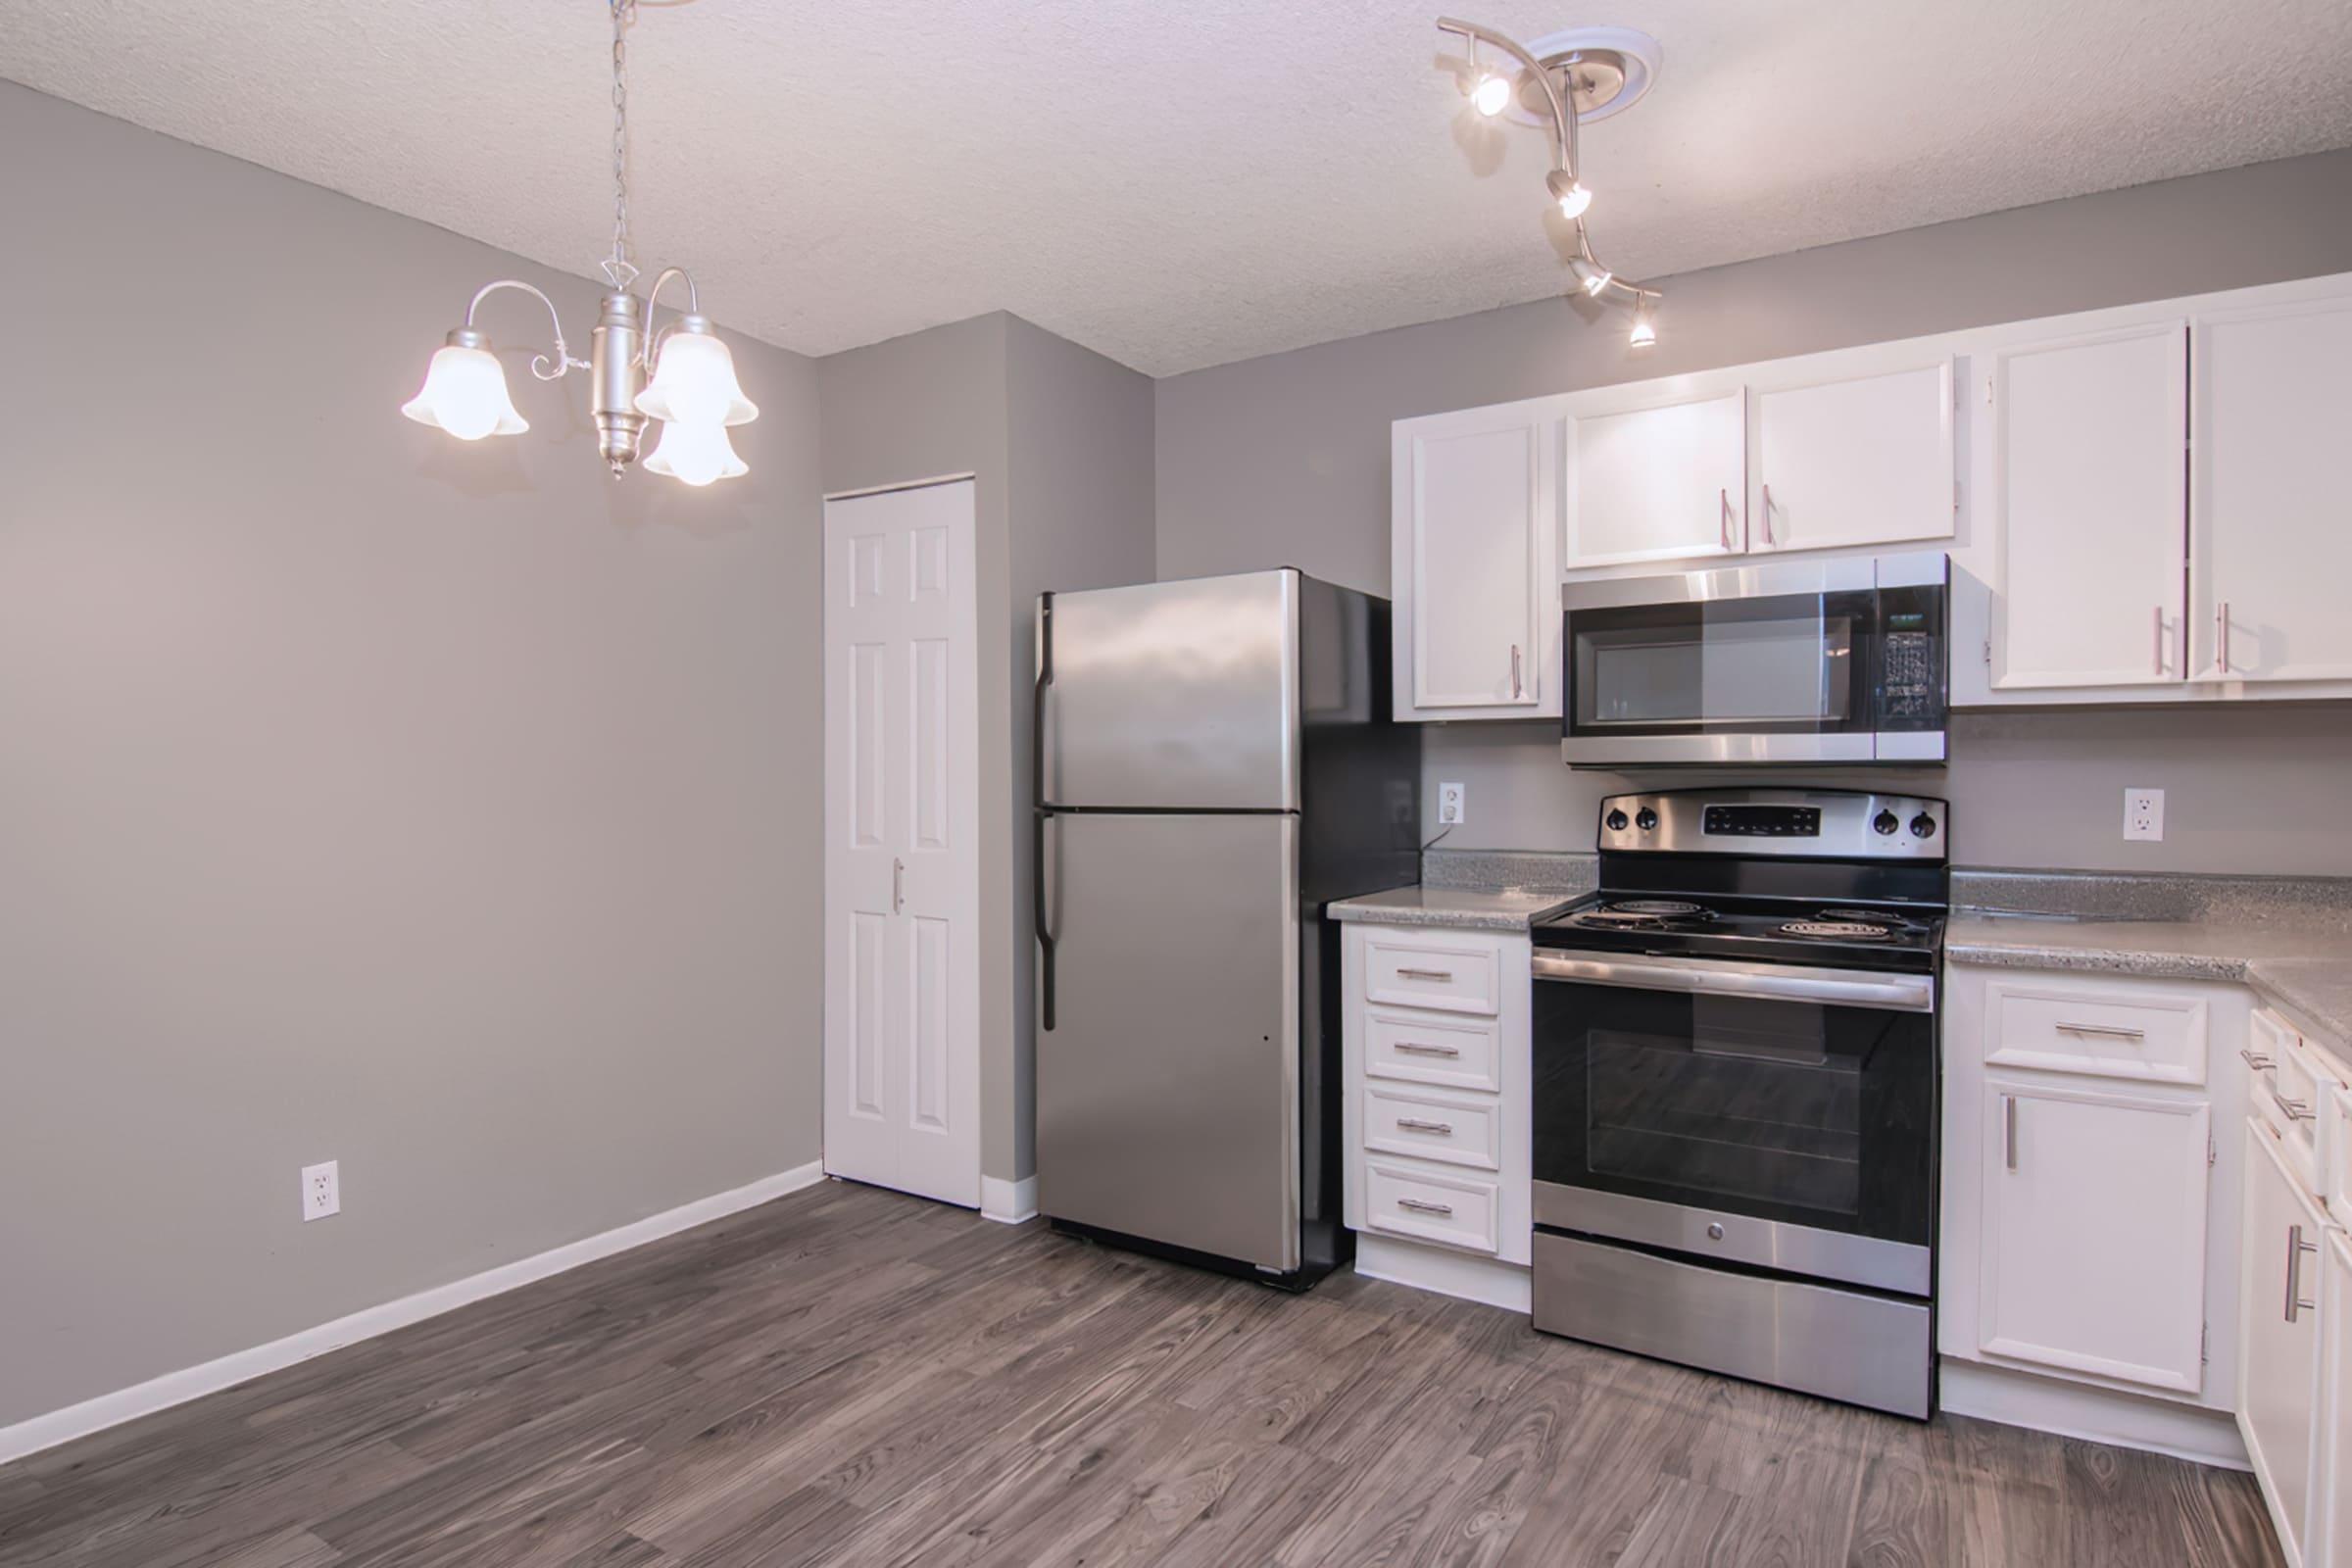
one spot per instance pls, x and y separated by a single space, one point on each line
1596 80
682 375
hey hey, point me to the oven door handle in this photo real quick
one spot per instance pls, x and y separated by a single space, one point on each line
1901 992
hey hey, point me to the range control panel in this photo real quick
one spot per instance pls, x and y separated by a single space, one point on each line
1823 824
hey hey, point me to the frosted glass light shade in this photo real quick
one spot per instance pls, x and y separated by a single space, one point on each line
464 393
693 383
696 453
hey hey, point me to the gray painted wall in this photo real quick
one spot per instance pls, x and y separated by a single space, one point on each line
1060 439
1285 460
441 809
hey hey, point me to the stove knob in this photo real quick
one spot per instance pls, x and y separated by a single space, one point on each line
1616 821
1923 826
1885 822
1645 820
1715 1233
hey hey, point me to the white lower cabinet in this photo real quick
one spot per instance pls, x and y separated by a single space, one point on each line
2279 1306
1436 1124
2093 1244
2331 1518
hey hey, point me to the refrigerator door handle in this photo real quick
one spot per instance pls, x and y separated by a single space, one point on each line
1041 914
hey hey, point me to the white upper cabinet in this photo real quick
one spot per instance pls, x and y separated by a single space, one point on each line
2090 507
1863 461
2271 517
1475 561
2092 1254
1662 483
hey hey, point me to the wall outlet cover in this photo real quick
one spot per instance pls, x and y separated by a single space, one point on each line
321 1190
1450 805
2143 814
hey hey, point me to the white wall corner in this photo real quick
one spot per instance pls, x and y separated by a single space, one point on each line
39 1431
1009 1202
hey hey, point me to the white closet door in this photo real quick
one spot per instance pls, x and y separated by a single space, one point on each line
1657 484
2269 513
2090 474
902 851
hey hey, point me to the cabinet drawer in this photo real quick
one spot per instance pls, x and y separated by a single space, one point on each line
1454 977
2335 1191
1465 1053
1459 1132
2060 1025
2288 1088
1458 1210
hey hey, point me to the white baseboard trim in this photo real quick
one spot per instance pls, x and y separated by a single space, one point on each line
1007 1203
2099 1415
41 1431
1445 1271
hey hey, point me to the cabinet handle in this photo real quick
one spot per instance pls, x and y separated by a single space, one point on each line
1726 518
1414 1124
1441 975
1419 1206
2102 1029
2159 639
897 885
2297 1109
1516 689
1414 1048
2297 1246
2009 1131
1768 537
2257 1063
2221 635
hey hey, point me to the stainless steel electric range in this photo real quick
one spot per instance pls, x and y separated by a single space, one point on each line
1735 1090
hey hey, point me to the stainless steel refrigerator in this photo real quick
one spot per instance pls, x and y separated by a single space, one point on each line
1215 762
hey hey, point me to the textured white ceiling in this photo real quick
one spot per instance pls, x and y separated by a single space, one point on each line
1179 184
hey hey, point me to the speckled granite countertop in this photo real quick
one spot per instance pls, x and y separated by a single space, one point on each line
1465 908
2304 967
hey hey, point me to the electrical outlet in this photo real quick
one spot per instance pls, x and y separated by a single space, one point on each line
321 1190
2143 814
1450 805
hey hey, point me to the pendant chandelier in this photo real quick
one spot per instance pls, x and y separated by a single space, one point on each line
1583 73
681 375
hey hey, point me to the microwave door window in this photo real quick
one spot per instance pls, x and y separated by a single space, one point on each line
1787 663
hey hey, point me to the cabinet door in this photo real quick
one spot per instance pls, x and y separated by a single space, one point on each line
1859 461
2331 1546
2094 1233
2269 523
1477 563
1657 484
2091 439
2279 1336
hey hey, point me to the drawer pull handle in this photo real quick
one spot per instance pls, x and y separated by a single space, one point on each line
2297 1109
1414 1048
2009 1131
1417 1125
1421 1205
2297 1246
2259 1064
2114 1030
1439 975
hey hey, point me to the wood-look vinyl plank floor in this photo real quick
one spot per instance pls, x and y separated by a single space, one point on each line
849 1377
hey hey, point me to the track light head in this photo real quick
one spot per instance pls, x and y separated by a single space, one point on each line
1569 192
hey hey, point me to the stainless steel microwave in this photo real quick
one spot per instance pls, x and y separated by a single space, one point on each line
1820 662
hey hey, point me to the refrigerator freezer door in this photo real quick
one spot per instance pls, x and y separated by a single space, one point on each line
1167 1092
1175 696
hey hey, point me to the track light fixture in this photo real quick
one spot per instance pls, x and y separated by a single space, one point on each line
682 375
1596 78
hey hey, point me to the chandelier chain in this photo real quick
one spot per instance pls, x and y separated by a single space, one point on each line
619 267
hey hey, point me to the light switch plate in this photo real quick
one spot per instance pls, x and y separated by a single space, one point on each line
1450 805
2143 814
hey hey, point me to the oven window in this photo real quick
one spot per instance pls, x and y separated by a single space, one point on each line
1783 664
1800 1111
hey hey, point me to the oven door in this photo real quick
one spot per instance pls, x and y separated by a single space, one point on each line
1759 1114
1805 661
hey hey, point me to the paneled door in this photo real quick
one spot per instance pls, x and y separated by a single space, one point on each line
1859 462
2270 529
2090 466
902 854
1665 483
